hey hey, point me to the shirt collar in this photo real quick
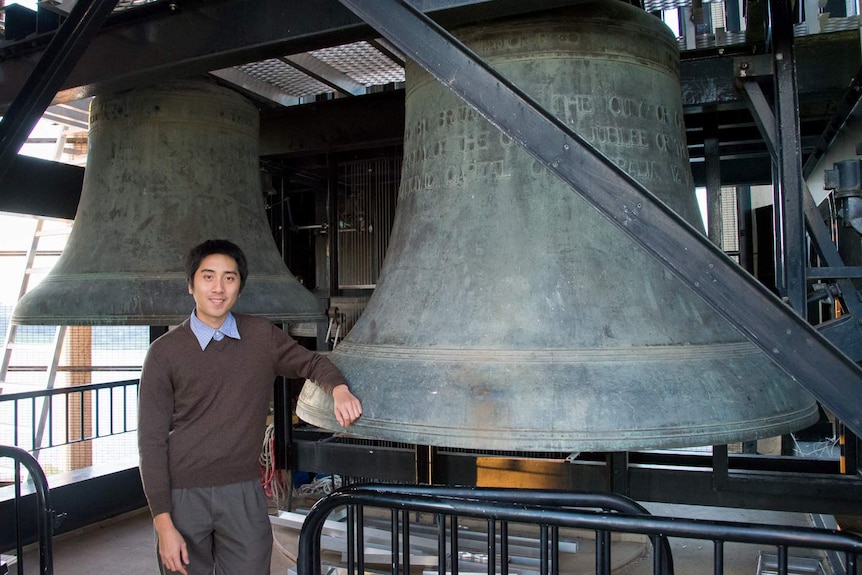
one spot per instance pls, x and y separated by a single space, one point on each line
205 333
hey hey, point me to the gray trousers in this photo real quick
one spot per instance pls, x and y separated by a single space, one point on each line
226 529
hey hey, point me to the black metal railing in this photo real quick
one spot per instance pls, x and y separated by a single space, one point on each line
95 410
493 502
45 514
550 511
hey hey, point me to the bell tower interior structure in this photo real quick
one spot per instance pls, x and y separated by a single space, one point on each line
587 237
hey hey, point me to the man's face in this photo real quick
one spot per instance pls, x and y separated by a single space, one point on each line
215 288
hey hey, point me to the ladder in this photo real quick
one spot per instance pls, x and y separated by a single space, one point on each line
56 347
32 252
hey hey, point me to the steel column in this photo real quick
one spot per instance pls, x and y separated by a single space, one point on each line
712 157
790 153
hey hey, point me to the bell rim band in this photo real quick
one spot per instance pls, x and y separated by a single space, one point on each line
681 352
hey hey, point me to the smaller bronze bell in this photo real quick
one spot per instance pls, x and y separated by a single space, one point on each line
168 167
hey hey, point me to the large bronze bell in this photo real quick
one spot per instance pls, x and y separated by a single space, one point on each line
167 167
510 314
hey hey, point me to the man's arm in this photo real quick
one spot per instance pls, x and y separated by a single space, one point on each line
155 410
295 361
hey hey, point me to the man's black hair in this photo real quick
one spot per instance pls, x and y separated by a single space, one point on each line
222 247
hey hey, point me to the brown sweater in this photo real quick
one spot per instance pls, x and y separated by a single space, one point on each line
202 413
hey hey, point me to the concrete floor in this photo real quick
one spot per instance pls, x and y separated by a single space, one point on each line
695 557
120 546
124 546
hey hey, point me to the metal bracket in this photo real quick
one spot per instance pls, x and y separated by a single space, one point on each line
753 66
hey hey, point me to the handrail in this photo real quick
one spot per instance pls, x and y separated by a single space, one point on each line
45 515
123 403
423 499
65 390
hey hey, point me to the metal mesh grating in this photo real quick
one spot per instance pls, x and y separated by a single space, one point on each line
841 24
277 73
363 63
368 191
729 222
655 5
127 4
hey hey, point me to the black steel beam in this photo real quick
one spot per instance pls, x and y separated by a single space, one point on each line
746 481
372 461
765 483
749 171
154 43
335 79
41 188
751 490
49 73
765 121
334 126
825 64
169 40
795 346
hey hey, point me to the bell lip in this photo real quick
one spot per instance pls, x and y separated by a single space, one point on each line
314 406
55 300
709 395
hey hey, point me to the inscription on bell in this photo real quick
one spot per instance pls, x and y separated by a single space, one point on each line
631 108
640 169
477 171
568 107
623 137
456 116
671 145
529 41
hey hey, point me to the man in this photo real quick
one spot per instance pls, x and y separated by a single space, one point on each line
205 394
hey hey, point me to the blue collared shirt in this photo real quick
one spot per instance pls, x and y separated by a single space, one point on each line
205 333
